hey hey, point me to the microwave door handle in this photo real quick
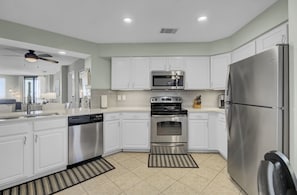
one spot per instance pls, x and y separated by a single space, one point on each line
176 80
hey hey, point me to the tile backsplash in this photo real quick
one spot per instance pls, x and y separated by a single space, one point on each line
142 98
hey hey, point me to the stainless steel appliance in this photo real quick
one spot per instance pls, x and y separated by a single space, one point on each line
168 79
169 126
85 137
221 101
256 113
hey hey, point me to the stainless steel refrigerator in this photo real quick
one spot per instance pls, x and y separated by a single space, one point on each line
257 100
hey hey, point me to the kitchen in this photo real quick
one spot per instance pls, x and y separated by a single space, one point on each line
100 57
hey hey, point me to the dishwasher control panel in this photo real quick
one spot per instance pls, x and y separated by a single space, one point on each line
84 119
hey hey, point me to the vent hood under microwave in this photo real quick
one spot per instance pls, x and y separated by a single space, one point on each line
168 79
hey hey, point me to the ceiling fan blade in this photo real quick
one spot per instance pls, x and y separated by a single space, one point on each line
49 60
44 55
16 50
11 55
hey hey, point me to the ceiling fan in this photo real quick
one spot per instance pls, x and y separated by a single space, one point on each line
30 56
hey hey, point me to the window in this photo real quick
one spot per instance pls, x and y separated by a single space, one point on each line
32 86
2 88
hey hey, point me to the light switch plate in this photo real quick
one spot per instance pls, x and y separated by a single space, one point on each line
124 97
119 98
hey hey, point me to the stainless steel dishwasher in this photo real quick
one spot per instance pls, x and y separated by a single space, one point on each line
85 137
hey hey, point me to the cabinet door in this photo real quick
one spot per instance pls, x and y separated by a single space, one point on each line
197 73
175 63
50 149
16 157
120 73
135 134
158 63
222 135
141 73
111 136
271 38
219 65
244 51
198 135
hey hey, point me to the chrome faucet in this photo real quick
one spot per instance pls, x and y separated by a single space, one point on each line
29 108
29 99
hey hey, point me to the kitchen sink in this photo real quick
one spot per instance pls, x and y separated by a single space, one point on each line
40 114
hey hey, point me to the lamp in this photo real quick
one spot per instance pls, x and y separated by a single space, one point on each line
31 57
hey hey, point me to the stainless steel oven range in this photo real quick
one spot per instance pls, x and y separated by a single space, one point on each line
169 126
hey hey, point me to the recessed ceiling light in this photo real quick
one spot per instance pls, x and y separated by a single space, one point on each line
202 18
62 52
127 20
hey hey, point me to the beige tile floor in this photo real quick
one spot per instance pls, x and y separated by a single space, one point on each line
132 176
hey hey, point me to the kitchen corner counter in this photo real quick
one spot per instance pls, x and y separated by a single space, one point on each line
219 110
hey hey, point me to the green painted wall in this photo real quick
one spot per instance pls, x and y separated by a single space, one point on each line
100 53
293 81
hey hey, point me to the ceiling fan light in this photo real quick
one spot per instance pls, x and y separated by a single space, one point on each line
30 59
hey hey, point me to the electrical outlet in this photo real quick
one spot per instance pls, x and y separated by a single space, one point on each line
124 97
119 98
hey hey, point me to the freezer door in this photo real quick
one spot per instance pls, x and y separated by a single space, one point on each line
253 131
259 80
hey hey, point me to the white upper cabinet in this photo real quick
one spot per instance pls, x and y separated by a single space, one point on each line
166 63
140 73
271 38
130 73
244 51
197 73
175 63
219 66
120 73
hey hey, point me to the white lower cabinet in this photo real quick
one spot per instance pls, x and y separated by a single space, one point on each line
50 150
222 134
50 145
111 133
198 131
32 148
135 131
16 152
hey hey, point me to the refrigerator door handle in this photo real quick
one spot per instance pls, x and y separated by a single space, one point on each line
228 86
228 92
228 118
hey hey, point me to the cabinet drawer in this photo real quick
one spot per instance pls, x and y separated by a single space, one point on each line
111 116
16 128
135 115
198 116
50 123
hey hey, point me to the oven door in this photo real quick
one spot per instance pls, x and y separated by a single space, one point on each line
169 128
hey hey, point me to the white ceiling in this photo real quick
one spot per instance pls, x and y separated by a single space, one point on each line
101 20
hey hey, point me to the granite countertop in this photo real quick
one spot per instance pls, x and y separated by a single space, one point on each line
13 116
190 109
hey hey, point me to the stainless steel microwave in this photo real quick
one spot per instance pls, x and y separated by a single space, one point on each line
168 80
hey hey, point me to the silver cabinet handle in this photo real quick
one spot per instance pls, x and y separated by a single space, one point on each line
36 136
25 140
